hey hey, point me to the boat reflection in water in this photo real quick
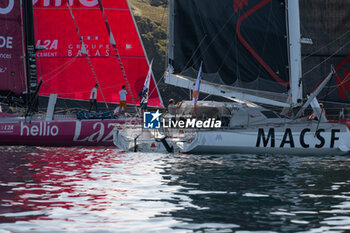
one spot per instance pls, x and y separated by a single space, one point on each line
96 189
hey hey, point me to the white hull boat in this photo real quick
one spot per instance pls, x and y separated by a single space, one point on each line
294 139
250 130
310 138
260 63
250 61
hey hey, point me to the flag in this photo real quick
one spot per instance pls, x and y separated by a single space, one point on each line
195 93
147 80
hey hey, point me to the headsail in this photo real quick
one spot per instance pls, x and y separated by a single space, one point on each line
12 59
64 69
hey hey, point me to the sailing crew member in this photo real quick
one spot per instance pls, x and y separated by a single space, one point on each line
172 107
122 99
144 100
313 116
93 97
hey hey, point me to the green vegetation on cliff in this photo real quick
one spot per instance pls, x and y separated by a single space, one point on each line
151 17
152 20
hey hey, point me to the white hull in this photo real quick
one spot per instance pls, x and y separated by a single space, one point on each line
297 139
308 138
250 130
135 139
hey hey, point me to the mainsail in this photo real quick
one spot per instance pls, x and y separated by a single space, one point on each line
64 68
241 43
327 23
12 59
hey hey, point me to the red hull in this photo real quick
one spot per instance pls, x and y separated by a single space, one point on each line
58 132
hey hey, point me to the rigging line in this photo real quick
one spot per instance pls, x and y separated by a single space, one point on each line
248 46
201 20
238 58
156 84
214 38
225 57
66 93
39 68
340 37
87 55
207 97
195 51
346 79
234 42
159 82
321 113
217 34
202 40
307 72
261 68
114 46
74 92
61 68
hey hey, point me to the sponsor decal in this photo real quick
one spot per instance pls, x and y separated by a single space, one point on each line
41 129
51 47
92 45
48 44
6 42
5 56
98 133
288 140
5 128
60 3
7 9
93 48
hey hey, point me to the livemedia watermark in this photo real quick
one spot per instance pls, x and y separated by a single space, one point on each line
153 120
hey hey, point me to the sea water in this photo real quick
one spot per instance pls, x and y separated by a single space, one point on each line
106 190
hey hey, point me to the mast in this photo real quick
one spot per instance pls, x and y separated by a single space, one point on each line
295 71
32 78
171 36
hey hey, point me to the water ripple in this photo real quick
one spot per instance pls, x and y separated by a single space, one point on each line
105 190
